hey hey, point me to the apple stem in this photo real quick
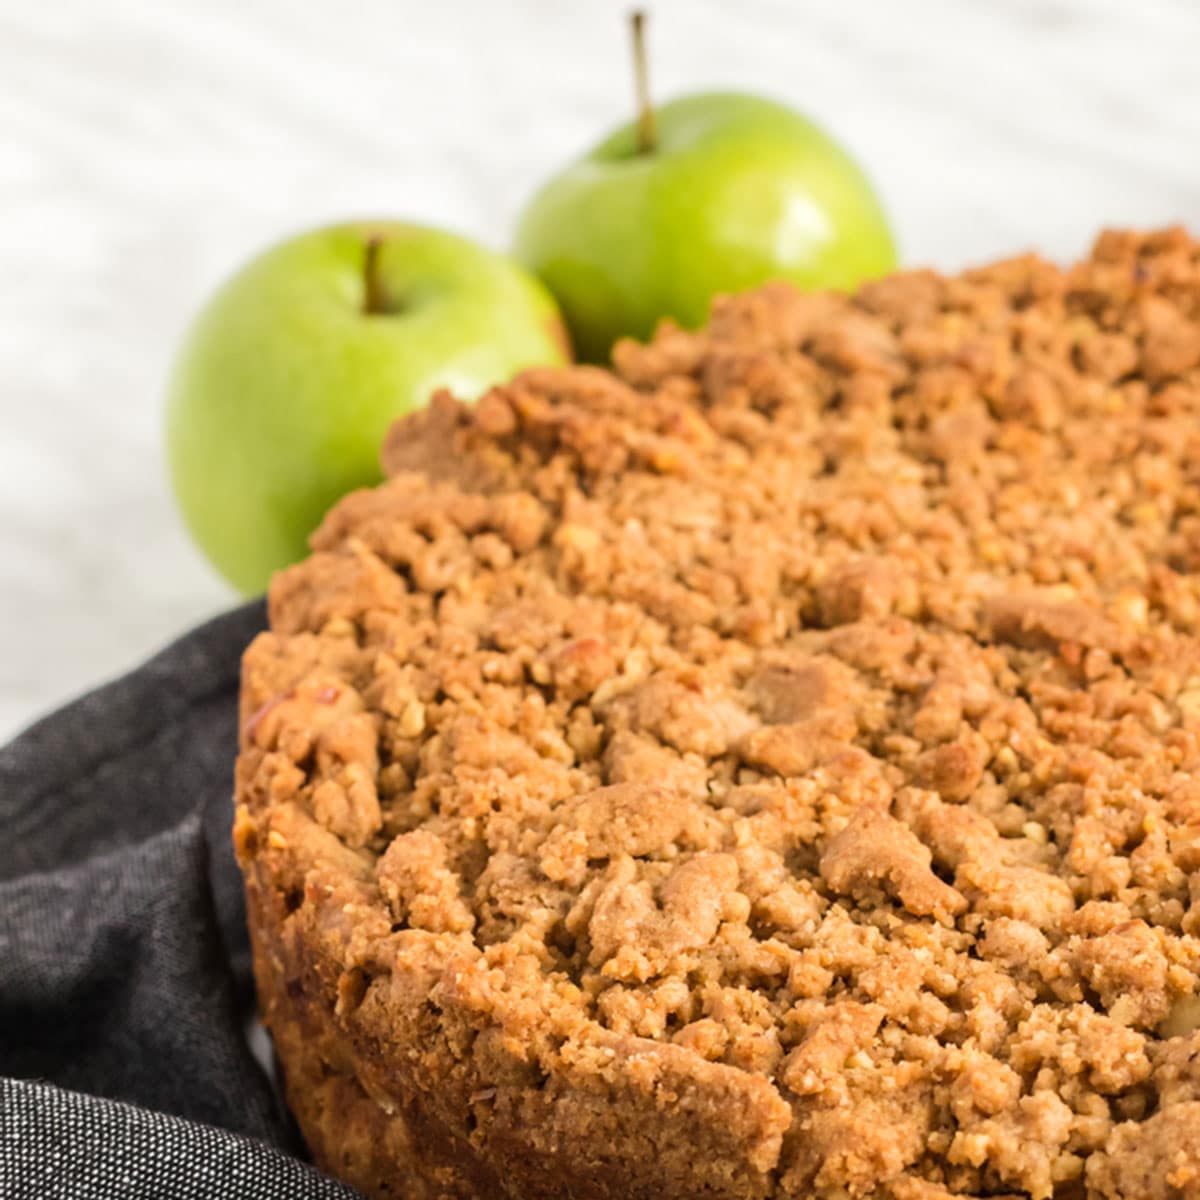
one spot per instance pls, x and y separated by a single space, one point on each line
646 137
372 292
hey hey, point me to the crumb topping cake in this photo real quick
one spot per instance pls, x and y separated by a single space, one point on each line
768 769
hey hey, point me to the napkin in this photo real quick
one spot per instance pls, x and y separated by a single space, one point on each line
125 984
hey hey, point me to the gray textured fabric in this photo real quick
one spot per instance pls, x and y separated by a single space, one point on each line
58 1145
124 964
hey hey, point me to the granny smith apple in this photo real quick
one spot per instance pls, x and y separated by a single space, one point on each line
289 378
732 190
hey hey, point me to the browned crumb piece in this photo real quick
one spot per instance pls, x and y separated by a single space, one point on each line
771 769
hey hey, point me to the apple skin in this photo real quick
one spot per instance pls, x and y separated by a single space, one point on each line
737 190
285 386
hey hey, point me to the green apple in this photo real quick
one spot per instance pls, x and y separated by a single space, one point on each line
734 190
289 378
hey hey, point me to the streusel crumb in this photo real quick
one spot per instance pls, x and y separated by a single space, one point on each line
769 769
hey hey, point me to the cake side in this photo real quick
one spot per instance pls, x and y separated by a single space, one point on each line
767 771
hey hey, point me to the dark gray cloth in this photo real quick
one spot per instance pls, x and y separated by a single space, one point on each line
124 963
59 1145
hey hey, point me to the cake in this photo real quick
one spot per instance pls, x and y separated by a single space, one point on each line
770 768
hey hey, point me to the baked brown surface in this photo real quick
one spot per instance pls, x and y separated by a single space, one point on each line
768 770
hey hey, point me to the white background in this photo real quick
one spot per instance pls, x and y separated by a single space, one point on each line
148 146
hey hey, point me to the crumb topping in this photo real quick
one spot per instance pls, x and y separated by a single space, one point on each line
816 698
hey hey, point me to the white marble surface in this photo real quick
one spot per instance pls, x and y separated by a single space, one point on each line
147 146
